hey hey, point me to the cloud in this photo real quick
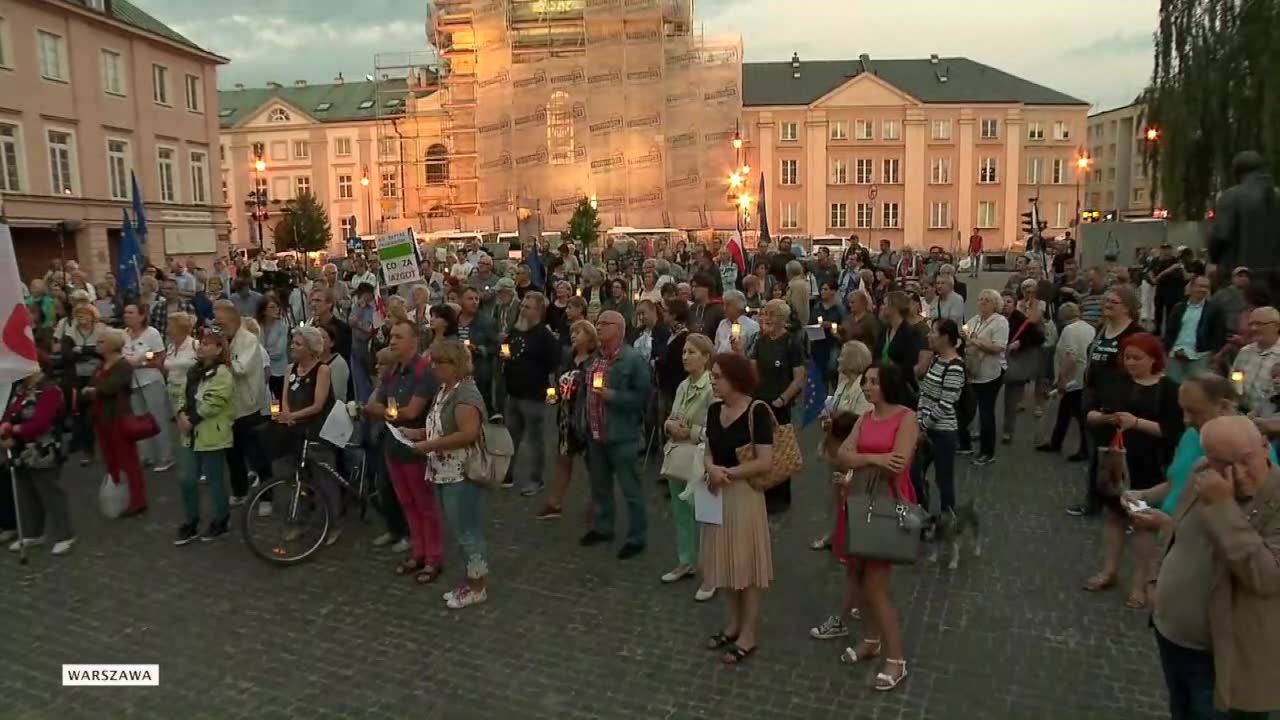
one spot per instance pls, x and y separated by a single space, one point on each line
1119 44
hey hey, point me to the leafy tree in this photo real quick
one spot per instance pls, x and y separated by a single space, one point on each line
1215 90
305 227
584 225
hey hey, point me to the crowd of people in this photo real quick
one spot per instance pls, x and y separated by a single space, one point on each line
1169 380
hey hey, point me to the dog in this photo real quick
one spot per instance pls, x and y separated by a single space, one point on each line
951 528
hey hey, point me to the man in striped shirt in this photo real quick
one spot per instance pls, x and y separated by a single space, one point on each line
1091 302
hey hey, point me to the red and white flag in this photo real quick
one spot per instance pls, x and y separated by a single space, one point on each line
17 343
735 251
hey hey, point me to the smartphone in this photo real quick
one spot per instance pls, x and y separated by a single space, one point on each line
1138 506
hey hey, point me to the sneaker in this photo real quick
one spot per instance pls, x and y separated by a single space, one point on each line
402 545
186 534
203 480
236 500
164 467
62 547
264 509
465 597
508 483
332 537
704 594
630 550
964 451
216 528
7 535
983 460
530 490
831 628
594 538
1007 438
17 544
549 513
384 540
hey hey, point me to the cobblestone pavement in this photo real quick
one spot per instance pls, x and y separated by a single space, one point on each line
570 632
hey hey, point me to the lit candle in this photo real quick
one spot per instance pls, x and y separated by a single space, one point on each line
835 326
506 350
819 320
393 409
150 356
635 296
736 329
1237 379
578 292
551 396
597 380
275 408
467 343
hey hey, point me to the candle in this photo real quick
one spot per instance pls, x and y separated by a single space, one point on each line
635 296
393 408
1237 379
835 326
819 320
467 343
597 380
551 396
275 408
150 355
736 329
506 350
578 292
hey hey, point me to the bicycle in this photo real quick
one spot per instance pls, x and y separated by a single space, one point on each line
298 526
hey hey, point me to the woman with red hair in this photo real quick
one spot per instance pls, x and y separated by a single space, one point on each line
1142 409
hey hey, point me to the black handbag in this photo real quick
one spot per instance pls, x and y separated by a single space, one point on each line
879 525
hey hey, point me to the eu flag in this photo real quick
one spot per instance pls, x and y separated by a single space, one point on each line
537 272
815 393
129 267
138 212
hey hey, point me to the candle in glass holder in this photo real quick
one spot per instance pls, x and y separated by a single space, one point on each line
635 296
578 292
551 396
1237 379
835 326
736 329
393 408
506 350
597 380
467 343
150 356
275 408
819 321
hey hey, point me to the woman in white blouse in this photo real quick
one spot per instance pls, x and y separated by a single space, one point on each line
986 337
179 355
144 350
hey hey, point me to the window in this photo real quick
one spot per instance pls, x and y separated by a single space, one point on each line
1060 215
280 150
1059 171
839 172
437 165
324 107
118 168
112 73
839 130
160 84
280 187
342 147
789 132
939 215
226 193
941 129
5 61
890 215
1140 170
560 130
890 130
989 129
365 105
10 149
1035 131
260 188
1035 168
387 147
390 188
790 216
864 173
167 163
347 230
53 56
278 115
987 171
790 172
1111 173
890 174
1111 151
1062 131
1139 195
839 215
195 91
864 130
345 189
865 211
199 177
62 162
940 171
986 214
1097 151
1111 199
301 185
1097 175
301 150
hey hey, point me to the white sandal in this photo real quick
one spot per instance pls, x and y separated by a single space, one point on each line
850 655
886 682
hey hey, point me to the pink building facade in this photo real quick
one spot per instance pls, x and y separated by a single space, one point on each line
91 93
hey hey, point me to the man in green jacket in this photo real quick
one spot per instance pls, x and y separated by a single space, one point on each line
618 384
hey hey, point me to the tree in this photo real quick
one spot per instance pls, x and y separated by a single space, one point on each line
304 227
1215 90
584 225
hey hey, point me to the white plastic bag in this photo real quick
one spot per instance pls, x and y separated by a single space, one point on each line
113 497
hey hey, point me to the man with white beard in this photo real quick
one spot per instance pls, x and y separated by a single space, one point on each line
528 357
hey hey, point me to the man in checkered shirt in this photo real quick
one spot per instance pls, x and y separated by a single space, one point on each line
1255 365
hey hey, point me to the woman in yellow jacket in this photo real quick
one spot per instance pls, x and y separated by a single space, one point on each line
205 415
687 424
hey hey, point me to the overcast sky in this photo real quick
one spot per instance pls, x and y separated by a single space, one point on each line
1062 45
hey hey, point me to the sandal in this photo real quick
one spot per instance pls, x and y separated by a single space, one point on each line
822 543
1099 582
736 655
409 567
1136 601
427 574
886 682
720 640
851 656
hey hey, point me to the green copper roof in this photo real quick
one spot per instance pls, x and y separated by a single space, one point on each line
131 14
330 102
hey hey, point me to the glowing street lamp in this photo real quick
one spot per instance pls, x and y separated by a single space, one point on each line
737 141
1153 134
744 202
260 165
1083 162
735 180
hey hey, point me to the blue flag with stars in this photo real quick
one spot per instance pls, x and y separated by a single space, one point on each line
815 393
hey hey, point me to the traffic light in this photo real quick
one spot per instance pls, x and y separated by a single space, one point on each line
1031 221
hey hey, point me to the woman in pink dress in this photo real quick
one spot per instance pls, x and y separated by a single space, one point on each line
883 438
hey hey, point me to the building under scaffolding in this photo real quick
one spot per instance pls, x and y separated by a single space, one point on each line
551 101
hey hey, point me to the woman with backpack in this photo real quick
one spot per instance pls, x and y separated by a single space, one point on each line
30 435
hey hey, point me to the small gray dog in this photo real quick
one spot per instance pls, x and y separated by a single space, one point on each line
951 528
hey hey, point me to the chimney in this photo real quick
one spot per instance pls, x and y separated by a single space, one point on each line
865 60
239 86
933 59
795 65
338 80
274 85
385 77
299 83
942 72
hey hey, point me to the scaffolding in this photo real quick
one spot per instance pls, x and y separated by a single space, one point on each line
551 101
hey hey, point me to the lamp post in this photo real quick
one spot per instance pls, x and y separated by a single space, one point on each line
256 204
368 199
1082 169
738 194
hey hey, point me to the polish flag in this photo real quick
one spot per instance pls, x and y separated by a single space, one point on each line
17 344
735 251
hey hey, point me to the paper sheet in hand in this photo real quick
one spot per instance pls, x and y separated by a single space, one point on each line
815 332
707 508
337 427
395 433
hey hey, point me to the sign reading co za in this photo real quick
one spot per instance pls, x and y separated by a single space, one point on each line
397 253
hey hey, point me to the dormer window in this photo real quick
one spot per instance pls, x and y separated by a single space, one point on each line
366 104
324 107
278 115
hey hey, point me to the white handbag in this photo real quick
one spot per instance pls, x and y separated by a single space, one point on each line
488 461
683 462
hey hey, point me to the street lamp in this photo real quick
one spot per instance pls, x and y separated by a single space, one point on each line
1082 169
260 165
368 199
1153 134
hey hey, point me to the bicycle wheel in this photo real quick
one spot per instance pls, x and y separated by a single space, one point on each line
294 530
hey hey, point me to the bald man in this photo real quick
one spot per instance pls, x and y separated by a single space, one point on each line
619 394
1256 363
1217 595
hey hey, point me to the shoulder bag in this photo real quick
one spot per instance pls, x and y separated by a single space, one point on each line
1113 468
683 461
137 426
786 461
1023 363
879 525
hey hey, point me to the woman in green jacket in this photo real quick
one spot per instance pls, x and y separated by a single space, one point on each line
205 414
687 425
